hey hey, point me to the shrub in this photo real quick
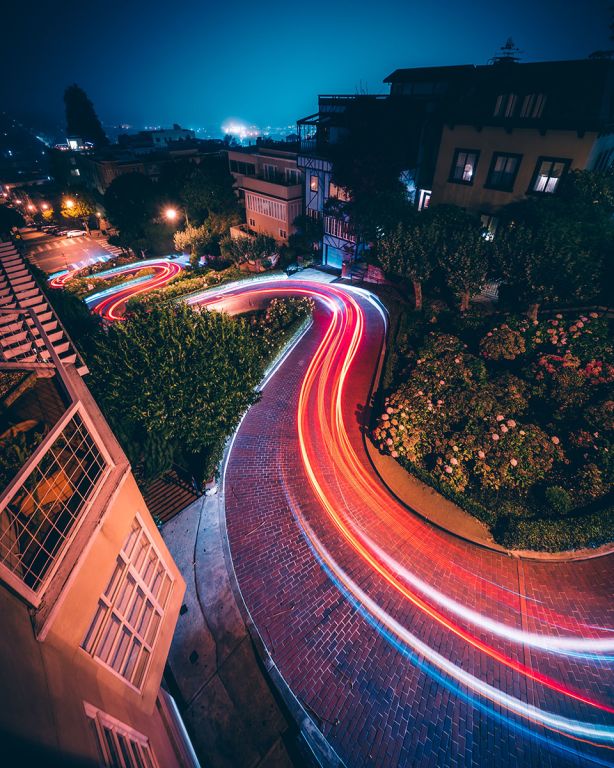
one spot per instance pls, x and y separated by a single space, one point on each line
576 532
590 483
558 499
502 343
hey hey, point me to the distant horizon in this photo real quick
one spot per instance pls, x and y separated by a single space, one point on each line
204 64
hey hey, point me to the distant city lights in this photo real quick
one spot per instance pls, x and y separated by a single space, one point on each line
241 131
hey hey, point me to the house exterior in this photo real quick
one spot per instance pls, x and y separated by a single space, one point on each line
89 594
269 182
519 128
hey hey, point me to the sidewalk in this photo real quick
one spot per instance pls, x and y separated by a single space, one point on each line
224 699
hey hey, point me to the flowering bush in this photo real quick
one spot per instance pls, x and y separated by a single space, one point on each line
489 430
502 343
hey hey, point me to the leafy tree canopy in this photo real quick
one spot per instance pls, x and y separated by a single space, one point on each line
255 249
130 202
9 218
81 119
174 379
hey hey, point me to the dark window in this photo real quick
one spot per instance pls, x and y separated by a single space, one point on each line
548 172
503 170
463 166
533 105
233 166
505 106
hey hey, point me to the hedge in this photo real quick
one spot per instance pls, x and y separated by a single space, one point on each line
556 535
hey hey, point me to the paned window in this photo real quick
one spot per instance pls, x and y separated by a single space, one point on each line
43 512
548 173
118 745
503 170
463 166
129 614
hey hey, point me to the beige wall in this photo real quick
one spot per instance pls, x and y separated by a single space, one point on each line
529 143
44 684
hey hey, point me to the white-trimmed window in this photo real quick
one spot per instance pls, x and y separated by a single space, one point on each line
129 614
548 173
314 183
118 745
505 105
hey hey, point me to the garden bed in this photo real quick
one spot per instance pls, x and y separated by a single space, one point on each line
511 420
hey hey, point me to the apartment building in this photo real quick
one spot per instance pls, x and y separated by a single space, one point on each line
519 128
89 594
269 182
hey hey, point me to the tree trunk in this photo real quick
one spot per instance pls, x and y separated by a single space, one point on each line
418 294
464 305
532 311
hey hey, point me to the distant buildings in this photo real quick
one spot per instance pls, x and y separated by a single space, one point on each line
89 594
270 183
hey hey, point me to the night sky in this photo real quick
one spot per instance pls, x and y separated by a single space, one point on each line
200 63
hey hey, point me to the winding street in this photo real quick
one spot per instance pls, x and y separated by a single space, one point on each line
406 645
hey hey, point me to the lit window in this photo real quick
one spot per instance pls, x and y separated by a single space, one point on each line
503 170
505 105
463 166
338 193
125 626
117 744
44 510
548 173
533 105
314 183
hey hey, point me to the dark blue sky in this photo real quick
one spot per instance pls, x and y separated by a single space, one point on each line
199 63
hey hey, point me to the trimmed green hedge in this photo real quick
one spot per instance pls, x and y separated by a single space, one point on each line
579 532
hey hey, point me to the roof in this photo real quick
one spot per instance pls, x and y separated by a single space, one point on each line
428 73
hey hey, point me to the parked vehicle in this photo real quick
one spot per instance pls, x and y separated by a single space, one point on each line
75 233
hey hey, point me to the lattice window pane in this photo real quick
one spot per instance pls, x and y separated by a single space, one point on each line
41 515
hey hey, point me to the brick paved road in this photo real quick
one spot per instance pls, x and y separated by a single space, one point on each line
365 608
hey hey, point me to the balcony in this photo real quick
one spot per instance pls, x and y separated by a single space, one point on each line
279 189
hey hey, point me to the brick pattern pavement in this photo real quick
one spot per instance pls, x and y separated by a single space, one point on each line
376 704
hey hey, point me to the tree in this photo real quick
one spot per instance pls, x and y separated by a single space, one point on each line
463 251
208 190
79 205
368 162
251 249
174 383
130 203
195 239
81 119
545 261
9 218
407 251
310 231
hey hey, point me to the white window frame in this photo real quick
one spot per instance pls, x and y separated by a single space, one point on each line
108 610
34 596
136 742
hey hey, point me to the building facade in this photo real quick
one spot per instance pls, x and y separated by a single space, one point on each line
89 594
520 128
269 182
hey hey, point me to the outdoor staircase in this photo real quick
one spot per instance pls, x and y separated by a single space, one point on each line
24 311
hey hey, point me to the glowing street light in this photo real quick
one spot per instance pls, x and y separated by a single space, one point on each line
172 214
69 203
44 206
31 207
19 202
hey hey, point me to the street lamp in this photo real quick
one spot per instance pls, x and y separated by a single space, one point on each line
31 207
44 206
69 203
172 214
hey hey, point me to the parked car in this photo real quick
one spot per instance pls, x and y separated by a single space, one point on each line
75 233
